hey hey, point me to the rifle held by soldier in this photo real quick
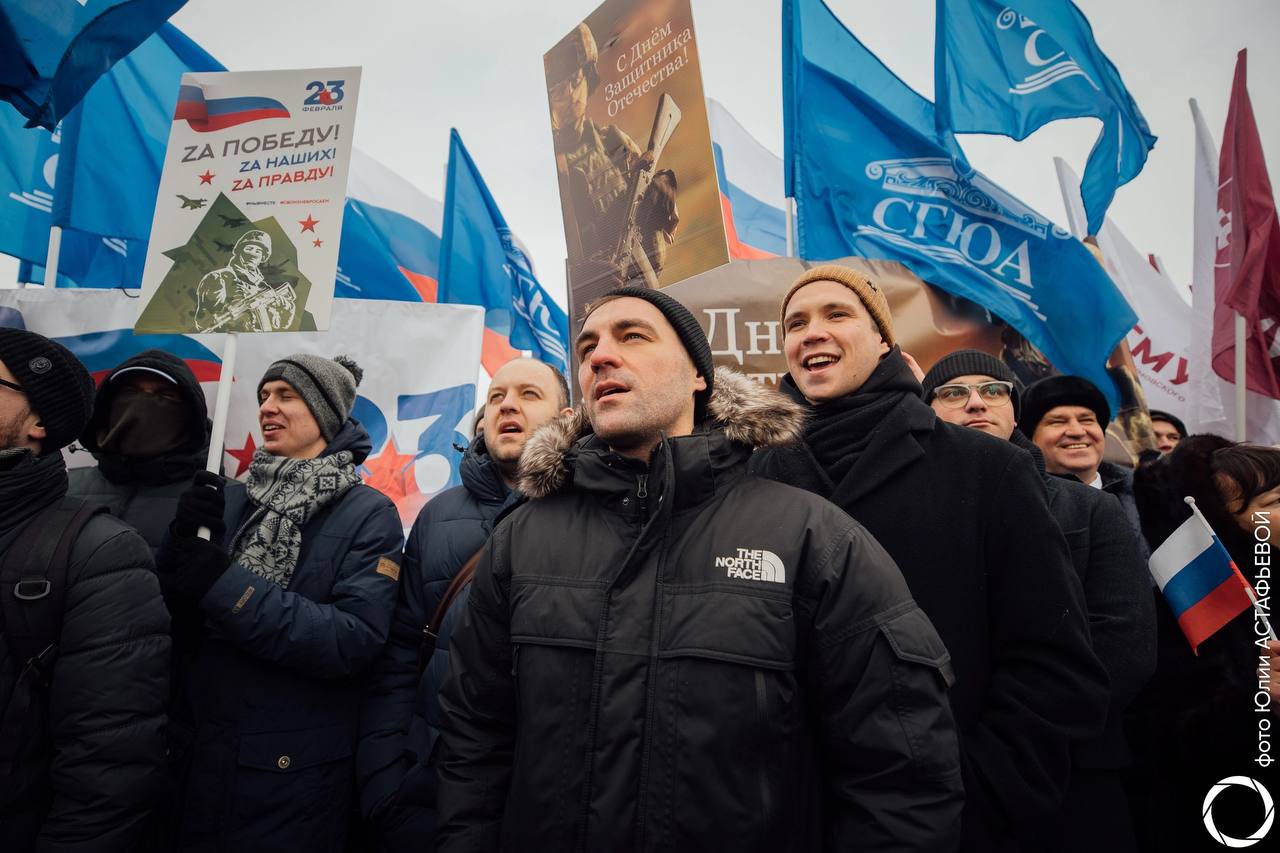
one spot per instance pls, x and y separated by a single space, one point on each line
630 251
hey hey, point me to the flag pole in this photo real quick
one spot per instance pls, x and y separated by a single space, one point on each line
1242 379
1258 612
220 406
791 216
51 261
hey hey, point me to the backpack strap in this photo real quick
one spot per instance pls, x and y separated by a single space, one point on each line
432 630
33 584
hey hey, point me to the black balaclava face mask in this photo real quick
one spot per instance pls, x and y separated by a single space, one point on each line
143 425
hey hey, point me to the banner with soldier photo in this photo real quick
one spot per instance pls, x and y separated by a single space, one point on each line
249 211
633 149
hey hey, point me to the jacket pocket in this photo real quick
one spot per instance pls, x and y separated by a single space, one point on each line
297 782
921 671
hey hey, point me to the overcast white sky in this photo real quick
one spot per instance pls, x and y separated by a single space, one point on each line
477 66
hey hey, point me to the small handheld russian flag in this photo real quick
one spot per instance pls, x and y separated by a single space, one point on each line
1200 581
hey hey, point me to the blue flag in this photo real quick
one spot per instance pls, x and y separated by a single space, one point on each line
873 177
28 166
52 51
113 146
481 263
1014 66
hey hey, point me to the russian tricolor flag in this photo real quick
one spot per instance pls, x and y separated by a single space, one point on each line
751 195
1200 582
204 115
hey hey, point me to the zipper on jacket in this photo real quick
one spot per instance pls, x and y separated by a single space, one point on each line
762 716
642 492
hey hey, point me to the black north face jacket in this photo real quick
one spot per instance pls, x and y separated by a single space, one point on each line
680 656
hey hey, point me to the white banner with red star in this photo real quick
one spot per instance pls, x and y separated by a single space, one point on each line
420 365
249 210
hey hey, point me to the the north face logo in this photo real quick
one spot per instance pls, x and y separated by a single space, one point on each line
754 564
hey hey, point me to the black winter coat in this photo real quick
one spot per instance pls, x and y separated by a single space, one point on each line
144 492
678 656
266 714
1117 591
400 720
94 784
964 515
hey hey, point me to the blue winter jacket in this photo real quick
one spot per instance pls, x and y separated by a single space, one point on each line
266 708
401 716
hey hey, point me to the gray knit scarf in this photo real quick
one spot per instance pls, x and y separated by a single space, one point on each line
287 492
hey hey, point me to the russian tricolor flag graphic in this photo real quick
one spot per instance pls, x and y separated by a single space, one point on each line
217 113
751 194
1200 582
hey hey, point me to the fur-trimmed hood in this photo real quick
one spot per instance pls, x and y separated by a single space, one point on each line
746 412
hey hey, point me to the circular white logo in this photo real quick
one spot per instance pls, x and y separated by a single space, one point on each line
1267 806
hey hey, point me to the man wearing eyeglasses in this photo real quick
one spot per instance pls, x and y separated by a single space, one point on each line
973 389
965 518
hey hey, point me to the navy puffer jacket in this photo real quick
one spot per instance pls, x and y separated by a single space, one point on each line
266 714
401 716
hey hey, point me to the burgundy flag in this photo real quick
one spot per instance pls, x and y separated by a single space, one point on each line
1247 267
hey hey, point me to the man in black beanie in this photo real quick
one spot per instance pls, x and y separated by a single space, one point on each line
279 616
657 647
84 643
149 434
977 390
1067 417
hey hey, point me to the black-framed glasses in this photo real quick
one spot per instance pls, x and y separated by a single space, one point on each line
15 386
993 393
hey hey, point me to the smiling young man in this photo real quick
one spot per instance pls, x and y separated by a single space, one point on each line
278 618
399 723
964 516
973 389
658 646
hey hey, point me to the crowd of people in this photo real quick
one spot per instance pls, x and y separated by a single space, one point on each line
875 609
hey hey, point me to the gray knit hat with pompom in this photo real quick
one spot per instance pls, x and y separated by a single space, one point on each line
327 385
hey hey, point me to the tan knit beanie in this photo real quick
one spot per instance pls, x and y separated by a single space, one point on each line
867 291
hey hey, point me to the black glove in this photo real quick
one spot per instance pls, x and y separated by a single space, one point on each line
191 566
202 506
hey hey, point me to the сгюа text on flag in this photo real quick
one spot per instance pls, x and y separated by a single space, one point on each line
872 176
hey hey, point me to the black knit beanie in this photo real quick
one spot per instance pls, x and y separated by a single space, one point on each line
57 385
1053 391
687 329
1157 415
970 362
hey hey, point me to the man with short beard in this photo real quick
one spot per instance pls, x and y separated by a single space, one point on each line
84 636
149 434
660 651
400 721
281 612
974 389
964 516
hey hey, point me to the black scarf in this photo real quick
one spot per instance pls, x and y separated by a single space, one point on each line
840 430
28 484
